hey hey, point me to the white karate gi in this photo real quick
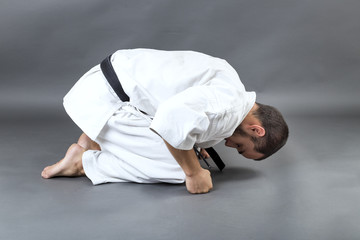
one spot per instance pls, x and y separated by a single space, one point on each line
189 97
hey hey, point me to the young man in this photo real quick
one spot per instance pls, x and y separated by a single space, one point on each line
176 99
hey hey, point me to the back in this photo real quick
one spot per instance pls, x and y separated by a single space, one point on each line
150 77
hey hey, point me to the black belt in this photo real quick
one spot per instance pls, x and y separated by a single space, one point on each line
111 77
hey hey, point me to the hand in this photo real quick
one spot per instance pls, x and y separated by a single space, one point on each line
200 182
204 153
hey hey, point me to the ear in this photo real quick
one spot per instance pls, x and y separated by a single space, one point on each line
258 130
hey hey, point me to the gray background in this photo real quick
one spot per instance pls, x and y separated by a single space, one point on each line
301 56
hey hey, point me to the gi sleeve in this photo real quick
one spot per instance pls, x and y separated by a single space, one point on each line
184 118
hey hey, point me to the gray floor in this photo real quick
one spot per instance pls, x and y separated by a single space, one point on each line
310 190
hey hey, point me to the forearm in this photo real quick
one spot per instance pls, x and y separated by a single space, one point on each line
198 180
187 160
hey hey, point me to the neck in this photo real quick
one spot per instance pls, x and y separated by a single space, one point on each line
250 118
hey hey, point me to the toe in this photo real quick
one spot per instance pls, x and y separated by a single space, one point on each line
44 174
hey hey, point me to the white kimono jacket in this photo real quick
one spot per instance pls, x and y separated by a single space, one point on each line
193 98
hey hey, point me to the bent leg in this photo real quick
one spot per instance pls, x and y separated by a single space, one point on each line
131 152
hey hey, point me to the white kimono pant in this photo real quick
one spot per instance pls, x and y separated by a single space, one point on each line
130 152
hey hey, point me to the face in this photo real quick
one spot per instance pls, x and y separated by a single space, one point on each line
243 145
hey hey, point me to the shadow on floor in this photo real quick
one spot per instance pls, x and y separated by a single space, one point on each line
234 174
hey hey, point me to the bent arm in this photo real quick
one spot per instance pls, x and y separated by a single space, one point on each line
198 180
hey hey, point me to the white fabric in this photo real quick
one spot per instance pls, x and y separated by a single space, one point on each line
194 98
130 152
91 102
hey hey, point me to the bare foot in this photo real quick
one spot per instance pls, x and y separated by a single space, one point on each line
69 166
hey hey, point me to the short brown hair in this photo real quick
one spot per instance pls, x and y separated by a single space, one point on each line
276 130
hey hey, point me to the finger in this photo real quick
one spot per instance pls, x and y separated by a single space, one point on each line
204 153
206 191
199 191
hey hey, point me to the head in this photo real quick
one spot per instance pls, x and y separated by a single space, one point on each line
262 133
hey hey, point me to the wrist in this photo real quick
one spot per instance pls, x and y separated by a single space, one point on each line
193 171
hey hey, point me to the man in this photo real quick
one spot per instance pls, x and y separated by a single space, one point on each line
177 99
